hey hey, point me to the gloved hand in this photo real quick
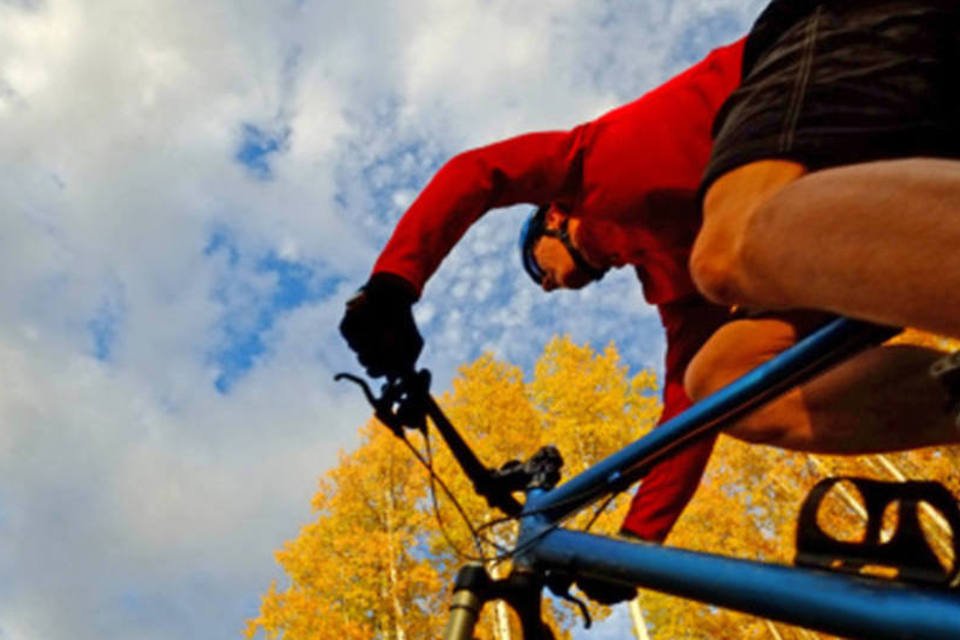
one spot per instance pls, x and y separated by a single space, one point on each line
378 325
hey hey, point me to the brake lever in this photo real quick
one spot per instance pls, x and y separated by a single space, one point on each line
360 382
406 402
400 404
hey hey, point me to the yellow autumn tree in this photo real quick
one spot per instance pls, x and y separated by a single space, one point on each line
357 572
747 506
583 402
377 563
489 406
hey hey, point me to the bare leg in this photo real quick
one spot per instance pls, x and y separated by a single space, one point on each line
877 241
881 400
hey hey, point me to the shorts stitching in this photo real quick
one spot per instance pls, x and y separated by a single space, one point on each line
798 95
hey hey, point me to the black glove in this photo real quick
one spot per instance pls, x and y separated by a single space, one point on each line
378 325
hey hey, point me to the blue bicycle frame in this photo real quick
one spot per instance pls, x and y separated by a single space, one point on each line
835 603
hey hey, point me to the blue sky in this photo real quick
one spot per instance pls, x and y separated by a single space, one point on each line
191 191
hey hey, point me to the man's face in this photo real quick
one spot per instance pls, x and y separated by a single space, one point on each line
560 271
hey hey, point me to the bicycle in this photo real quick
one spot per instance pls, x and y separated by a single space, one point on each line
825 589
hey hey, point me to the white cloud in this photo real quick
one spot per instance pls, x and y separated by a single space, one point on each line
135 499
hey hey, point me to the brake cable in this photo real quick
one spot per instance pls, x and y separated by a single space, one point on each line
405 403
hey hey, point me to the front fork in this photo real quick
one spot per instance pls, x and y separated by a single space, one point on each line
473 588
470 591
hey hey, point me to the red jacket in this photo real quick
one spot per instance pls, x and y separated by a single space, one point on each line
637 168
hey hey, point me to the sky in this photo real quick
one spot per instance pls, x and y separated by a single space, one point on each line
189 191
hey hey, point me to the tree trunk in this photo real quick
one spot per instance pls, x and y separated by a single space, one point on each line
501 619
392 568
639 624
772 628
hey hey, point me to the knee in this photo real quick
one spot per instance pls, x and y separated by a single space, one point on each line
722 256
716 265
715 365
736 349
711 370
717 258
698 379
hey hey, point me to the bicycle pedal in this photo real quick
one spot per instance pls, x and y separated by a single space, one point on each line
905 554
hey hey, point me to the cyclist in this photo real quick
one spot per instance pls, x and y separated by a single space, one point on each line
616 191
832 185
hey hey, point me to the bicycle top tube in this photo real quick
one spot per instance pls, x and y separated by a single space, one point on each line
831 344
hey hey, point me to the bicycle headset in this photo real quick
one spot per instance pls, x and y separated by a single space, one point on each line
535 228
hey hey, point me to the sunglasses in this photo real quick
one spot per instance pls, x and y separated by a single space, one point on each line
536 228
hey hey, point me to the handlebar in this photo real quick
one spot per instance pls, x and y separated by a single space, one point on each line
405 403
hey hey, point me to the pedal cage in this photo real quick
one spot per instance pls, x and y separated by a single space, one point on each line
907 551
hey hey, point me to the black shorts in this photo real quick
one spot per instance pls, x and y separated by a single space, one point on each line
834 82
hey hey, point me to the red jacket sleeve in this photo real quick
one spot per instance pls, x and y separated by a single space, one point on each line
535 168
670 485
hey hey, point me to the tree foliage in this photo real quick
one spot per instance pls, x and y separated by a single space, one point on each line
747 506
357 571
378 559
